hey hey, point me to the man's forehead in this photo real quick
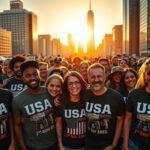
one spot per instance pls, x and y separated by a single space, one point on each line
96 70
31 69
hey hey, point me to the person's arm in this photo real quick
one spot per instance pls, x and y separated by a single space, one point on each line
126 129
59 132
11 128
118 130
18 132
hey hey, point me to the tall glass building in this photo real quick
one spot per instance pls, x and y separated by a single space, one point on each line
90 25
23 25
131 26
144 27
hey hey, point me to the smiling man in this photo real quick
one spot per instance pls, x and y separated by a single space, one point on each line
104 111
33 112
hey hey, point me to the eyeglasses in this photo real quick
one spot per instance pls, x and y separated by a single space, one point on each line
76 83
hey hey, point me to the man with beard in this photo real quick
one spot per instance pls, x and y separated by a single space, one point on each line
16 84
104 111
33 112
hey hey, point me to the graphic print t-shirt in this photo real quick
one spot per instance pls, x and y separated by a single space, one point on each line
101 113
15 86
138 103
74 123
5 108
38 118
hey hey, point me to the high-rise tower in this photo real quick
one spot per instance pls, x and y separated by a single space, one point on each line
23 25
90 25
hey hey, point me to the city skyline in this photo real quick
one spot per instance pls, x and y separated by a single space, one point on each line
60 17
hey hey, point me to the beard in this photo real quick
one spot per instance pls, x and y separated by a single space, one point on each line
96 86
33 87
18 74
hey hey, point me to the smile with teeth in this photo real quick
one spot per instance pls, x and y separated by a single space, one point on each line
33 82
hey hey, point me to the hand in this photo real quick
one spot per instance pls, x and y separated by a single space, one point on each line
108 148
12 146
57 101
61 147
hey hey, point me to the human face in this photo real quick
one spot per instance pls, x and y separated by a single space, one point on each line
117 77
6 66
17 71
54 87
123 64
43 71
147 75
105 64
31 78
83 69
115 61
74 86
130 80
96 79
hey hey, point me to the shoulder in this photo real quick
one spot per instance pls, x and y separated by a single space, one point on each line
5 93
137 91
113 92
21 96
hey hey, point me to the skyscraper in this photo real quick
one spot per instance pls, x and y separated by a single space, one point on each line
90 26
5 43
144 27
23 25
117 39
45 45
131 26
71 44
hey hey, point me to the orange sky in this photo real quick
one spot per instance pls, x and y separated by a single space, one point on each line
60 17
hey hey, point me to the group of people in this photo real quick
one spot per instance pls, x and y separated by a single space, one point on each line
99 104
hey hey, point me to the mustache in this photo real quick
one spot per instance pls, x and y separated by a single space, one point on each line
99 82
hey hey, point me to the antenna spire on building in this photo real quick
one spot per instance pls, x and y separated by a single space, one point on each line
90 5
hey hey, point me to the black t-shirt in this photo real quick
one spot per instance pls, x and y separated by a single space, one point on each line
101 113
138 103
5 107
73 123
15 86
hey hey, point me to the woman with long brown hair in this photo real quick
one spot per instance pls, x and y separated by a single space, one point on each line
70 118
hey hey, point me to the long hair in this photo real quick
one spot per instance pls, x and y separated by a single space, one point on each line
55 76
141 81
123 88
81 80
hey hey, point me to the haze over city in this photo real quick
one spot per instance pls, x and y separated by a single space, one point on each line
60 17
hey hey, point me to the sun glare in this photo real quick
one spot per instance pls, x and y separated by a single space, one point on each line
81 33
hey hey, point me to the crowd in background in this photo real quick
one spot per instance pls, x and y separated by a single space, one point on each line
77 103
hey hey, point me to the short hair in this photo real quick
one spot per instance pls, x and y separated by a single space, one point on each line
84 62
103 59
95 66
57 71
18 58
43 63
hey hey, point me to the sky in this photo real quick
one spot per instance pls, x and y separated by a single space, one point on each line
60 17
